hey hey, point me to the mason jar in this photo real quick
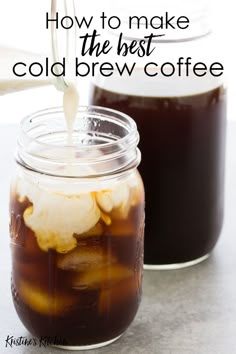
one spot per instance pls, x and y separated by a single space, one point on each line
179 104
77 221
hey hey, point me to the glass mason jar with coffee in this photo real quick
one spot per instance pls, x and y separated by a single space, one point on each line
179 104
77 219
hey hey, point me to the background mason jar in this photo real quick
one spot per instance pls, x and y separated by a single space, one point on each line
181 119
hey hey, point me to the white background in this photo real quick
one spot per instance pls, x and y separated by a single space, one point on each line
22 25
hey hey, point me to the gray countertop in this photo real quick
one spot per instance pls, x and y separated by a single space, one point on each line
189 311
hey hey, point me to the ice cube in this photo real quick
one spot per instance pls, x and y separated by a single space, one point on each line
116 198
84 257
104 200
44 303
102 277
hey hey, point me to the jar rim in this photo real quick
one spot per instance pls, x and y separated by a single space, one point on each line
41 142
82 109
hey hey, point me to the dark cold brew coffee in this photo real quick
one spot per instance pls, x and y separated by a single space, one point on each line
84 288
183 146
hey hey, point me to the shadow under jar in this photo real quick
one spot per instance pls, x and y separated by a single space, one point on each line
181 118
77 220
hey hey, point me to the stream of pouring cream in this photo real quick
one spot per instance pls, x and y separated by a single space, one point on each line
70 105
